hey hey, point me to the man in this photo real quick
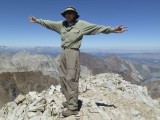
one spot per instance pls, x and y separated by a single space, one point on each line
72 31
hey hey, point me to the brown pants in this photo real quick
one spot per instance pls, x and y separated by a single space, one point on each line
69 76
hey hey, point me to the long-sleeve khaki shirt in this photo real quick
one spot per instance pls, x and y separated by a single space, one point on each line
71 37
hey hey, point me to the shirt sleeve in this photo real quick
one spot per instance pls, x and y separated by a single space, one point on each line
92 29
52 25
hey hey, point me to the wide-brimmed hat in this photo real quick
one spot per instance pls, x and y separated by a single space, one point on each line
70 8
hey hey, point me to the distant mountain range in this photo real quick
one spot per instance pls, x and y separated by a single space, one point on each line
53 51
151 60
33 61
95 51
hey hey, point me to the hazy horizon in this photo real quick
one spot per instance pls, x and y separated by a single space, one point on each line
90 49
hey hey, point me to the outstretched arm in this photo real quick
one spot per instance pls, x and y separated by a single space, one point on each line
55 26
92 29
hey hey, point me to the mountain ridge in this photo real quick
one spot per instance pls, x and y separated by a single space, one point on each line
104 96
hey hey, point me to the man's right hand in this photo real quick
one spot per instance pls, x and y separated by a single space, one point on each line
32 19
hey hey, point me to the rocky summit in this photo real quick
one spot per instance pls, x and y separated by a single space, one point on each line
105 96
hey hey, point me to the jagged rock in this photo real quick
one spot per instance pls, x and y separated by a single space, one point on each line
40 107
32 94
1 118
11 105
20 99
31 114
104 97
20 109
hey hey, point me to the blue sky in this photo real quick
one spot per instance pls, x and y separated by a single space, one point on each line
140 16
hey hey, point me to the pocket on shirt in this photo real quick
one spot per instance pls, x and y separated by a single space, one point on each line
75 30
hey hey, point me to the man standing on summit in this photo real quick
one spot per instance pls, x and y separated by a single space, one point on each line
72 31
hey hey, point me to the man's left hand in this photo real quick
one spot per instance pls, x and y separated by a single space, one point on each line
120 29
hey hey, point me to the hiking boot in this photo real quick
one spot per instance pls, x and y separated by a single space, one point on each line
69 112
65 104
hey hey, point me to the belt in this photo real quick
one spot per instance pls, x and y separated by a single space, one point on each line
71 48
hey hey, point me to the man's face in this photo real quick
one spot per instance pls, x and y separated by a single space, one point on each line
70 16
